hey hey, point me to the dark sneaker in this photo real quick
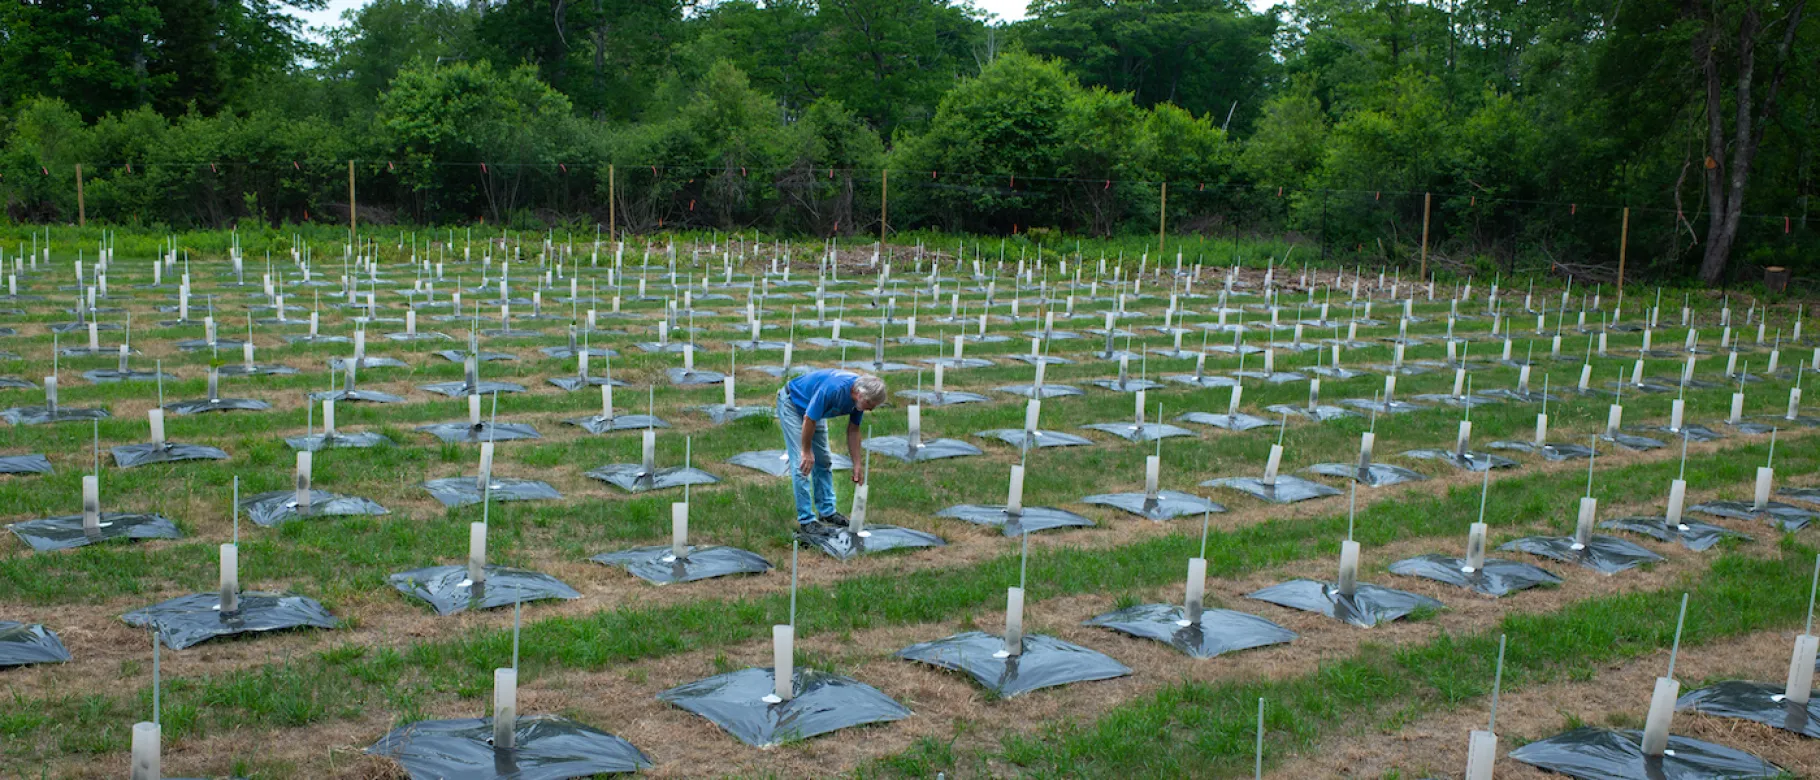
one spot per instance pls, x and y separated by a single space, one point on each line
816 528
837 520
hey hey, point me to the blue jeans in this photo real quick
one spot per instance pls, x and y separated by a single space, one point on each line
820 483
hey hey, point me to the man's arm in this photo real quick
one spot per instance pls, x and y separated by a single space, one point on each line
859 472
807 445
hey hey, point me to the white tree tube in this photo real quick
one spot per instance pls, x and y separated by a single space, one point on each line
1687 371
1272 463
1602 343
679 529
1032 410
230 579
1139 398
1677 409
1801 669
1366 441
1541 428
1349 567
360 345
1614 418
1523 379
1794 402
1463 439
314 317
474 410
783 661
1731 364
477 553
938 378
1390 389
156 417
1585 377
1646 335
410 322
1661 716
1636 372
910 327
959 349
1153 467
689 355
915 434
147 761
1040 371
1475 547
650 451
505 708
1014 500
1314 392
50 394
1459 382
91 504
1232 404
484 479
1014 621
1193 605
856 517
303 481
1737 412
94 337
789 350
1589 511
1766 476
1677 500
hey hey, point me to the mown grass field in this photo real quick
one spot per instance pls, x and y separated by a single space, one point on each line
304 704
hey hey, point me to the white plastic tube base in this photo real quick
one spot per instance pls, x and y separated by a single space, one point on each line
1349 567
1661 716
1481 754
147 758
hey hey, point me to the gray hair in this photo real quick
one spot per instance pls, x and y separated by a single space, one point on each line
870 389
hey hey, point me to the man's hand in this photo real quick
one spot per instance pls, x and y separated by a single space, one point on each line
859 475
808 463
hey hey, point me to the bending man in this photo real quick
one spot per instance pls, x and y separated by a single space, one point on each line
803 406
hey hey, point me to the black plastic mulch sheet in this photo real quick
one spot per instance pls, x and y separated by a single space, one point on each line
457 356
422 335
1764 703
958 363
1275 377
684 376
658 565
1230 422
1787 517
823 702
464 433
1316 413
1496 578
127 456
191 620
1219 631
1751 428
1043 392
23 645
548 747
1553 451
1374 475
39 415
721 414
1604 554
843 544
1015 437
1605 754
574 383
1694 433
448 590
1033 518
944 398
618 422
14 383
103 376
1692 534
1132 431
1203 380
341 364
61 533
1808 494
338 440
1393 407
1520 396
1456 401
256 369
1045 662
206 405
777 462
874 367
462 389
1164 505
24 464
1633 442
632 477
280 506
1368 606
1127 385
462 491
900 447
1287 490
369 396
1471 461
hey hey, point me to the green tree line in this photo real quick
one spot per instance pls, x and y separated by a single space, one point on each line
1507 131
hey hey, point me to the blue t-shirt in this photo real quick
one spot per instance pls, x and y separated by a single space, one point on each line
825 394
